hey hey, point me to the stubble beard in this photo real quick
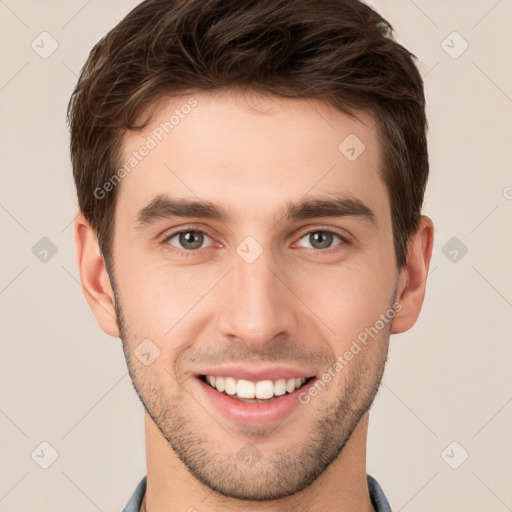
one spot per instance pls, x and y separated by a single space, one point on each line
277 473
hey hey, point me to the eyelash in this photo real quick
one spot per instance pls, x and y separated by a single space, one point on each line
194 252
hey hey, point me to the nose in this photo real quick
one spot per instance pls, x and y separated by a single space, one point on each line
256 305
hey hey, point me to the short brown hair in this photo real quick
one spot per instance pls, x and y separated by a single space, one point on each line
339 51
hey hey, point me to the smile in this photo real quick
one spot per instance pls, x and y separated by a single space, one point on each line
259 391
253 402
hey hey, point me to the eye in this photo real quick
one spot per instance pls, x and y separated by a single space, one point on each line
321 239
188 239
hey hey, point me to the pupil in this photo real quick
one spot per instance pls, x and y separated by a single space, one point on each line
191 239
319 235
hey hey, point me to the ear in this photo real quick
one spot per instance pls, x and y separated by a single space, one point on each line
94 277
412 278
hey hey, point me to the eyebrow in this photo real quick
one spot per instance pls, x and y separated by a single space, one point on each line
166 207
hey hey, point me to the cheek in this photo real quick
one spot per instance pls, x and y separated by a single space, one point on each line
348 299
156 298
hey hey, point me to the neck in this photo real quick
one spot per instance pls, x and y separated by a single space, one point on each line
172 488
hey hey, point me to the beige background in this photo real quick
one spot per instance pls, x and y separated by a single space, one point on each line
64 382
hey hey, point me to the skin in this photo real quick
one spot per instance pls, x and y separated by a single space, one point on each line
293 305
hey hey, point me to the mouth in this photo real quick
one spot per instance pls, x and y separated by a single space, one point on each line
254 402
262 391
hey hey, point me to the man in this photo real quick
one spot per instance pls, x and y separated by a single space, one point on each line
250 177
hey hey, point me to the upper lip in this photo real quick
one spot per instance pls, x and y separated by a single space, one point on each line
256 374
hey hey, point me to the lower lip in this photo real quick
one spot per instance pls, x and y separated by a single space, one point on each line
246 413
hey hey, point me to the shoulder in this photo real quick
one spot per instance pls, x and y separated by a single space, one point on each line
136 499
379 500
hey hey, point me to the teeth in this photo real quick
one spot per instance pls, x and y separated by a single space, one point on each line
220 383
263 389
230 384
245 389
280 387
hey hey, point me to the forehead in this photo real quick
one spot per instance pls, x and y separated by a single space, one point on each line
251 153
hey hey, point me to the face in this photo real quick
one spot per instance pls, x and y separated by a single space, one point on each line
279 287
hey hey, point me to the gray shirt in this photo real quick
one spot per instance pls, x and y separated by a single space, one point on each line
379 501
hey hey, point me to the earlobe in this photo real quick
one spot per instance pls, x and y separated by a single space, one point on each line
94 277
413 277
